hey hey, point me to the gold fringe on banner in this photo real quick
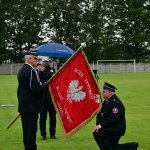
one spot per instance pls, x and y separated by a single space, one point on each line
53 100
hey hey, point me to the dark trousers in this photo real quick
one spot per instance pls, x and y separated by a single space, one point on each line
127 146
29 126
106 140
52 119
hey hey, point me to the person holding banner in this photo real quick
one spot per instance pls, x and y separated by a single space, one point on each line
111 122
29 94
48 106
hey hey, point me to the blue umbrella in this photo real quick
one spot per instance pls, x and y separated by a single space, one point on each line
54 50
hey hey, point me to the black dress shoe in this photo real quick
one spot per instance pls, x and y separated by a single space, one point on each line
53 137
135 145
43 137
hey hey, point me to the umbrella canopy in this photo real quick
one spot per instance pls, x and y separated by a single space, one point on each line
54 50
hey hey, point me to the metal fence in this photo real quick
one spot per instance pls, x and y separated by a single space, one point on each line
10 68
102 68
122 67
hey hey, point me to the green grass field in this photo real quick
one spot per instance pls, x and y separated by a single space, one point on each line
133 89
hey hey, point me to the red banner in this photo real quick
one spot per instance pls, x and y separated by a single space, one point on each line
73 89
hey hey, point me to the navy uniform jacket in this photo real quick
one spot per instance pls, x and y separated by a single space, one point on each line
112 116
29 90
47 75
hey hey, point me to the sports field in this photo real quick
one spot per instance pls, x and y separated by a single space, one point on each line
133 90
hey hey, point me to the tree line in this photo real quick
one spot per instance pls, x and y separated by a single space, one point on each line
112 29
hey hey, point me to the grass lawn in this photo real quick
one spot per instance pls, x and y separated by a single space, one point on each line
133 90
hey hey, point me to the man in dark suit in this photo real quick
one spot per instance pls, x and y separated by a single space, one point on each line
29 94
48 106
111 123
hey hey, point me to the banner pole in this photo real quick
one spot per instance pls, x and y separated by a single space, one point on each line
12 122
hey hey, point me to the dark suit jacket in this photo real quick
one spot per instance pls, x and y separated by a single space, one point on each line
112 116
29 90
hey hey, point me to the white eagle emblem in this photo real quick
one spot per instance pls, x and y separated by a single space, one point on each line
75 93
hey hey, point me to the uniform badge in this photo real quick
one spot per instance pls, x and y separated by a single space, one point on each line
115 110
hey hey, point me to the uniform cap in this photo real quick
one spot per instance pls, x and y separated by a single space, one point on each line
109 87
30 54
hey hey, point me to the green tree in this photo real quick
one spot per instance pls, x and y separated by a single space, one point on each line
24 19
73 22
112 29
3 50
127 27
65 22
